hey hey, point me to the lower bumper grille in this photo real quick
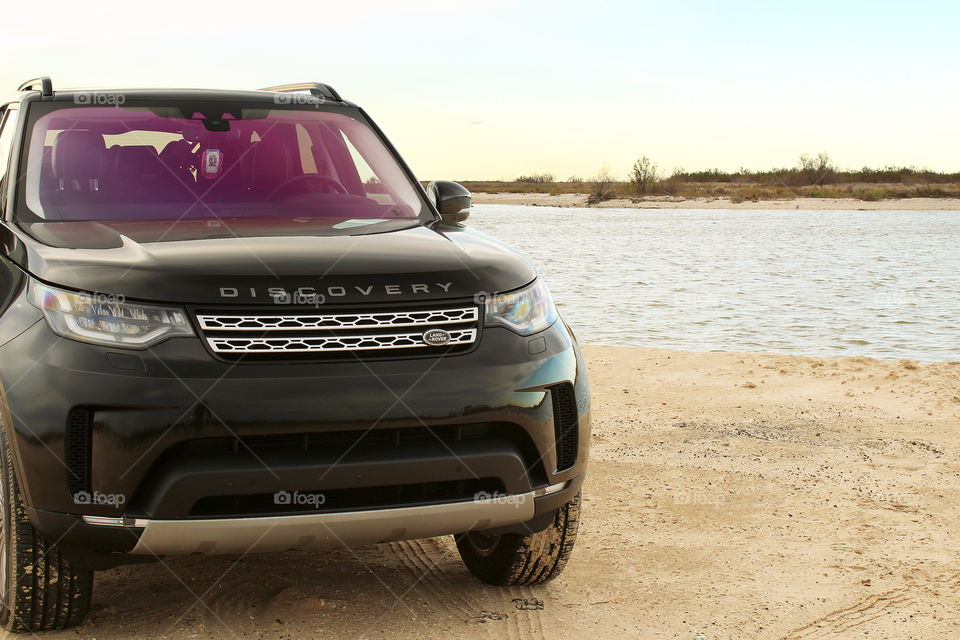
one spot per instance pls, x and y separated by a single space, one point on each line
337 471
339 500
388 441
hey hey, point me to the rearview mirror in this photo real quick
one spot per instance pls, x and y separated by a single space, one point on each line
451 199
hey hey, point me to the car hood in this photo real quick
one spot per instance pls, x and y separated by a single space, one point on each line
247 262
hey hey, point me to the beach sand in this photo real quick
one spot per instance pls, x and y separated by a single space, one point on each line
826 204
730 496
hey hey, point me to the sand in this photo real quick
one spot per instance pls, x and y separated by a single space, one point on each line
827 204
730 496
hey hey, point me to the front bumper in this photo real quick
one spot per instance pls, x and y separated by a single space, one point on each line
326 530
146 405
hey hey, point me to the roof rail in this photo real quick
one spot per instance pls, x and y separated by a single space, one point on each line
42 84
316 89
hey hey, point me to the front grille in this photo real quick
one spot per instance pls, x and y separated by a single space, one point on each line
392 319
244 332
77 450
566 424
335 343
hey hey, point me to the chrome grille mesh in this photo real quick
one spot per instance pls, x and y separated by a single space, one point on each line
337 320
246 332
332 343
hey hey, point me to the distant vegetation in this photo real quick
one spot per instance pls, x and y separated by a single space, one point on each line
812 177
645 175
602 187
536 178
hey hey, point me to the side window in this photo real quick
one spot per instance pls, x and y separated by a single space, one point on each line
367 176
372 185
6 140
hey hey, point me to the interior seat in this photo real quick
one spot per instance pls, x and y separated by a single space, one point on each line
77 163
273 164
142 177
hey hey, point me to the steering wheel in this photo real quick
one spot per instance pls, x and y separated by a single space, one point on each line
307 184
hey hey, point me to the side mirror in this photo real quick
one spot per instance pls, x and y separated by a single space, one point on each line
451 199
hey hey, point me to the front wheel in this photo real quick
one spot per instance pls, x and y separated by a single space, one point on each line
39 588
511 559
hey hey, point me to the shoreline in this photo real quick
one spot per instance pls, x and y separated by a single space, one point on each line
880 360
567 200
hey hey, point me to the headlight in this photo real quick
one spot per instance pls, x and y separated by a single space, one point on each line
526 311
108 320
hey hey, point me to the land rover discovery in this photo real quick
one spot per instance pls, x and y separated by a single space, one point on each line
234 322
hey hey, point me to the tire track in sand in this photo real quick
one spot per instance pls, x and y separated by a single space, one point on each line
433 583
525 623
838 622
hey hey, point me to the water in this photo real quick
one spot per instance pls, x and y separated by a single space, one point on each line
877 283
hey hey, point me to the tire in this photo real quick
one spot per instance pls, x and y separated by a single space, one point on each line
512 559
40 590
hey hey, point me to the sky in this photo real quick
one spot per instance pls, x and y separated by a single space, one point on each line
493 89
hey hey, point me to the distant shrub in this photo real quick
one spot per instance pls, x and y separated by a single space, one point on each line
673 185
603 186
537 178
668 186
644 175
873 195
930 191
816 170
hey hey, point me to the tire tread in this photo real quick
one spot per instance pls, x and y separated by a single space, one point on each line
533 559
46 592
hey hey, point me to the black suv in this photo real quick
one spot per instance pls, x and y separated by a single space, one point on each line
233 321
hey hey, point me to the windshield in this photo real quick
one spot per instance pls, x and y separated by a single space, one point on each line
203 162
